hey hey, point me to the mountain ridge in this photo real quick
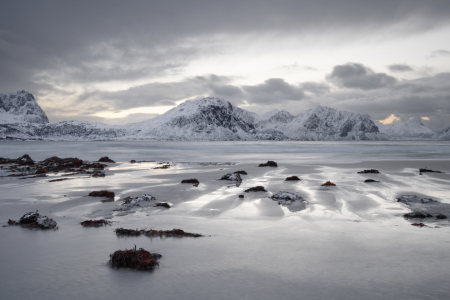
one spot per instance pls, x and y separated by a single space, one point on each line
206 119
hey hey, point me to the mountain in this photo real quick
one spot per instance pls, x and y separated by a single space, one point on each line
207 119
444 134
61 131
411 130
324 123
20 107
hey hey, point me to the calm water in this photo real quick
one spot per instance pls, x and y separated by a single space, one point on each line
351 242
313 152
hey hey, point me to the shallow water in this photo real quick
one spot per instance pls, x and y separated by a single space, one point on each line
290 152
350 243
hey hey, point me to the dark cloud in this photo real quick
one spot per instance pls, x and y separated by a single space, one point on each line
45 43
273 90
424 97
357 76
439 53
400 68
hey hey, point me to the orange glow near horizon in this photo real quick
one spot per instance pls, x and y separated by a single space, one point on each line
389 120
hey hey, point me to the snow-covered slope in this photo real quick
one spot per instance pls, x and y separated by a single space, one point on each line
411 129
61 131
20 107
324 123
444 134
210 119
206 119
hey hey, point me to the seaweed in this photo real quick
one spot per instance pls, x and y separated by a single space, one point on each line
102 193
135 259
258 188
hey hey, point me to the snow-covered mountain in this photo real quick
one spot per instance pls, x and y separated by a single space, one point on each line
444 134
61 131
205 119
409 130
324 123
20 107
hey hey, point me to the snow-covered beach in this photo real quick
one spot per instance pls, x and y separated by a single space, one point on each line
347 242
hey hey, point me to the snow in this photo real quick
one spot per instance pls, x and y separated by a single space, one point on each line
411 129
207 119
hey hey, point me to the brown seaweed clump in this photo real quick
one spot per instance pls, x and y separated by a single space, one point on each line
95 223
258 188
270 163
370 171
102 193
329 183
155 233
135 259
292 178
192 180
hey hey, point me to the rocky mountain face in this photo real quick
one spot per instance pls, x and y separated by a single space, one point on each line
20 107
444 134
207 119
324 123
410 130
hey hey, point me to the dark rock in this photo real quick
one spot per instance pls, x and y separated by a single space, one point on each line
292 178
132 161
232 177
102 193
425 170
441 216
163 204
162 167
106 159
370 180
329 183
242 172
34 220
173 232
417 215
192 180
241 196
25 160
270 163
371 171
418 224
258 188
59 179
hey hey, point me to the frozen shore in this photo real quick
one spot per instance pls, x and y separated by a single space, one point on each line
348 242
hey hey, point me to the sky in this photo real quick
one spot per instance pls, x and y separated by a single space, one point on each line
120 62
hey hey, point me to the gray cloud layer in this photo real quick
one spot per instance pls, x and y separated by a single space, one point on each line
399 68
85 41
357 76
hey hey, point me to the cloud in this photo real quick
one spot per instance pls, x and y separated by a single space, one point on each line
400 68
357 76
61 43
439 53
426 96
273 90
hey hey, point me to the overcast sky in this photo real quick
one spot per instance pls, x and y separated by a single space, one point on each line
126 61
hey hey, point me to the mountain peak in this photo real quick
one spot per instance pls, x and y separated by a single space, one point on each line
20 106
